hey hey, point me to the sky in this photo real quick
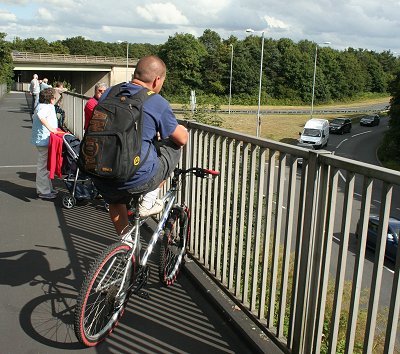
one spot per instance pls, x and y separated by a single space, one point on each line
366 24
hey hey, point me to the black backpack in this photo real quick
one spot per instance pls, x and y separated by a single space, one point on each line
112 143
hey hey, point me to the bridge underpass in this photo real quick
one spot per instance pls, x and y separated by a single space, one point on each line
82 72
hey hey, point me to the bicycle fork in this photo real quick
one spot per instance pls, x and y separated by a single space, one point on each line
144 270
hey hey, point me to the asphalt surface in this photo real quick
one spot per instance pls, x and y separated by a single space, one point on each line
45 251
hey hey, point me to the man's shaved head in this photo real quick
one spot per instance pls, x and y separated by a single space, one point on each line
148 68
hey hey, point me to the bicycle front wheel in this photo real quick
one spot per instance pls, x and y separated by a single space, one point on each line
102 299
173 244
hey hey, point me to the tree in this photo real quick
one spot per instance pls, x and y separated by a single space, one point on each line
203 64
213 63
355 76
183 55
293 71
246 67
6 64
79 46
389 151
39 45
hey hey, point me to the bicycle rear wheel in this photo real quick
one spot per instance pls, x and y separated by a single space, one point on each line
173 244
98 307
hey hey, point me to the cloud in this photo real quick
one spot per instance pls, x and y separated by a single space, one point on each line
162 13
107 29
369 24
6 16
44 14
15 2
275 23
206 8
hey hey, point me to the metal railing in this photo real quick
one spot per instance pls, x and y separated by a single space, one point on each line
3 89
279 238
70 59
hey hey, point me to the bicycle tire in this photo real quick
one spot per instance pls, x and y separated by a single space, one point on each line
173 244
97 310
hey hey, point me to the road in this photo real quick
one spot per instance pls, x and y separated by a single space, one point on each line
318 111
361 145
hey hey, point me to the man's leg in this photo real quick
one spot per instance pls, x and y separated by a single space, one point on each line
119 216
169 155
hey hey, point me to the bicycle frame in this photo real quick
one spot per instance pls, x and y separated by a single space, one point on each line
134 233
169 199
121 271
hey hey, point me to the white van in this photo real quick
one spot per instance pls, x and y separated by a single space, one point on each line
315 134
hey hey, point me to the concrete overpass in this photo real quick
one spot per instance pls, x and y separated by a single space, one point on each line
81 71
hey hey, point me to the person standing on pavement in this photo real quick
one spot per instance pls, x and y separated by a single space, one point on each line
34 89
44 123
99 89
59 87
44 84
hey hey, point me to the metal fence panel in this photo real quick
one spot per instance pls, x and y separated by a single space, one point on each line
276 235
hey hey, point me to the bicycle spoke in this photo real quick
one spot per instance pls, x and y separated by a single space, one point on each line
101 300
173 246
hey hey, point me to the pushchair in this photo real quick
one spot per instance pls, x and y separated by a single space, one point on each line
78 184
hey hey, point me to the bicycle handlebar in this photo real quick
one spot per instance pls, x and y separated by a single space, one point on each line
198 172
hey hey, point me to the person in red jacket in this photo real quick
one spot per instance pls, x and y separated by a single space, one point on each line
99 89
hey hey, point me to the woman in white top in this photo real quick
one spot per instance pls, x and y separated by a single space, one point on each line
44 123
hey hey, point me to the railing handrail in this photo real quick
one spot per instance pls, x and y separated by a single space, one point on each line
67 58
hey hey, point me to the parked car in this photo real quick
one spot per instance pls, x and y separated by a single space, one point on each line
392 238
370 120
340 126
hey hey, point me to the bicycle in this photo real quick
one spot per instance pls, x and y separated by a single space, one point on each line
120 270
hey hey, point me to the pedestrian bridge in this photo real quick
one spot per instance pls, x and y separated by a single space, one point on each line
81 71
279 239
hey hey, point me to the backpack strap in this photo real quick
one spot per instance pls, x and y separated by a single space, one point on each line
144 94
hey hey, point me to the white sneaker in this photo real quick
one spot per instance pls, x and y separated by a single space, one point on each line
157 208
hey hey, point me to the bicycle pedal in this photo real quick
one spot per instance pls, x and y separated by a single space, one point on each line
143 294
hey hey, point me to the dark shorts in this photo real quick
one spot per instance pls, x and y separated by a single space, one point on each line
169 155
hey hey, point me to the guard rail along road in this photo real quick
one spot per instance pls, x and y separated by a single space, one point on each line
275 236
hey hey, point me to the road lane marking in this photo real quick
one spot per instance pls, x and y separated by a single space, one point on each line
388 269
368 131
341 175
353 136
337 147
18 166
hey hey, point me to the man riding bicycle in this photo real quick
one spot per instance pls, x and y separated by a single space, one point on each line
164 154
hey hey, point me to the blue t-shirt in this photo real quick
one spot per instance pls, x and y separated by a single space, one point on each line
157 117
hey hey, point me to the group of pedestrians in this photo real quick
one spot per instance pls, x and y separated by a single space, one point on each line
35 87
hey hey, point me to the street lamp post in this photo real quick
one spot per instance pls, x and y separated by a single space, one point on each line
230 82
258 129
313 83
127 60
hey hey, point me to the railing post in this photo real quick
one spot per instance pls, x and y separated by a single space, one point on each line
303 329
